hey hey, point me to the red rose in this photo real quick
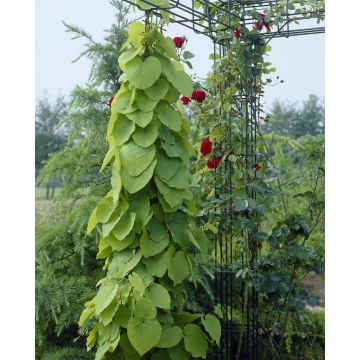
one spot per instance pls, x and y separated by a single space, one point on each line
258 25
198 95
185 100
206 146
179 41
214 162
237 34
110 101
256 166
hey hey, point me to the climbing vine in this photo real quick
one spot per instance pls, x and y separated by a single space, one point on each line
146 221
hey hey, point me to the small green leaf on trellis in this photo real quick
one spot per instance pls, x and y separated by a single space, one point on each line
211 227
128 55
187 55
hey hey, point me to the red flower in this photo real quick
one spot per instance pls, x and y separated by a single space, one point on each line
260 23
185 100
237 34
214 162
256 166
206 146
179 41
110 101
198 95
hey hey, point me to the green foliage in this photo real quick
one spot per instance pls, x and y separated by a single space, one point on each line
50 137
149 210
288 120
78 164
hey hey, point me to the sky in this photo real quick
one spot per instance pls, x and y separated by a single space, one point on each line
299 60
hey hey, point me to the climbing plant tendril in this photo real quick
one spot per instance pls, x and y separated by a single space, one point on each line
146 221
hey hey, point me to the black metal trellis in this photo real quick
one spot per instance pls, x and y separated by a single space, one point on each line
213 20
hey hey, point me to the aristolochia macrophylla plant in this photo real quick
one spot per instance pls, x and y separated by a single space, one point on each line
146 221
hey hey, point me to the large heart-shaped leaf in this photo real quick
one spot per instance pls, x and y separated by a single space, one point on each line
135 159
128 55
123 128
159 296
212 326
135 183
144 330
124 226
179 268
195 341
144 103
156 265
166 167
105 295
158 90
181 179
146 136
181 81
172 196
170 337
149 247
168 116
143 74
140 118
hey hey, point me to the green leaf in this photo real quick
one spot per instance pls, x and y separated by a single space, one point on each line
166 167
156 265
127 349
170 337
135 183
109 155
211 227
179 268
92 222
107 315
85 315
104 209
145 137
159 296
123 262
137 283
144 330
140 118
168 45
168 116
195 341
212 326
187 55
181 81
104 249
181 179
143 74
158 90
123 129
123 244
172 196
178 352
124 226
128 55
144 103
136 31
135 159
105 296
149 247
123 315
